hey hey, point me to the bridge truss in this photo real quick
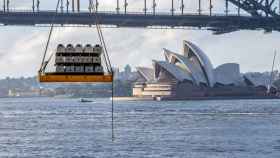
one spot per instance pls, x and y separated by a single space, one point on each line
260 14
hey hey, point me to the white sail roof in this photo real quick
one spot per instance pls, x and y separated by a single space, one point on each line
146 73
203 60
195 73
228 73
172 69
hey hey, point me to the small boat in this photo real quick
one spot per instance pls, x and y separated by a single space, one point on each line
82 100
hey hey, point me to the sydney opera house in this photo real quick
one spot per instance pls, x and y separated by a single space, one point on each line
192 75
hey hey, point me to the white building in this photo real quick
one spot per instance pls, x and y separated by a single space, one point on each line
191 67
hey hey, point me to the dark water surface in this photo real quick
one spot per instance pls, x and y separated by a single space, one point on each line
200 129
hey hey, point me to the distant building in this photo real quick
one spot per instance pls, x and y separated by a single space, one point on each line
127 69
261 79
192 75
13 93
116 73
126 75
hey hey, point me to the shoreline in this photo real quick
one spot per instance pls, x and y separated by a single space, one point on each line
193 98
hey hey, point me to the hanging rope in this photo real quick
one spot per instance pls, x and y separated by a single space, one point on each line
101 39
112 113
44 64
107 62
105 54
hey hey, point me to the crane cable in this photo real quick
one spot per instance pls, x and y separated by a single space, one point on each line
107 62
101 39
100 35
106 57
44 64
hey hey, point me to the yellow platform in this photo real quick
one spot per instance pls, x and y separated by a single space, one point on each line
65 78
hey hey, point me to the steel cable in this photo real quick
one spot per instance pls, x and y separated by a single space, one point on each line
44 64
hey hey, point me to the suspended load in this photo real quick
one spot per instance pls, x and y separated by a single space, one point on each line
77 64
78 60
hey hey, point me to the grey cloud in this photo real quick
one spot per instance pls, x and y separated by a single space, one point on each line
138 47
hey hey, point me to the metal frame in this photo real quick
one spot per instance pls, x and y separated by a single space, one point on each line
74 78
255 7
217 22
263 16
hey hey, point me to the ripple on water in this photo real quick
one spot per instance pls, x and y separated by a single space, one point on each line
67 128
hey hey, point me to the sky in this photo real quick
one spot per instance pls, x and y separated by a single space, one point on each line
21 48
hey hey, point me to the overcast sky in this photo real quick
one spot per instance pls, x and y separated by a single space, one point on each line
21 48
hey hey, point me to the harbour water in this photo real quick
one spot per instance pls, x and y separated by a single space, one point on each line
48 127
